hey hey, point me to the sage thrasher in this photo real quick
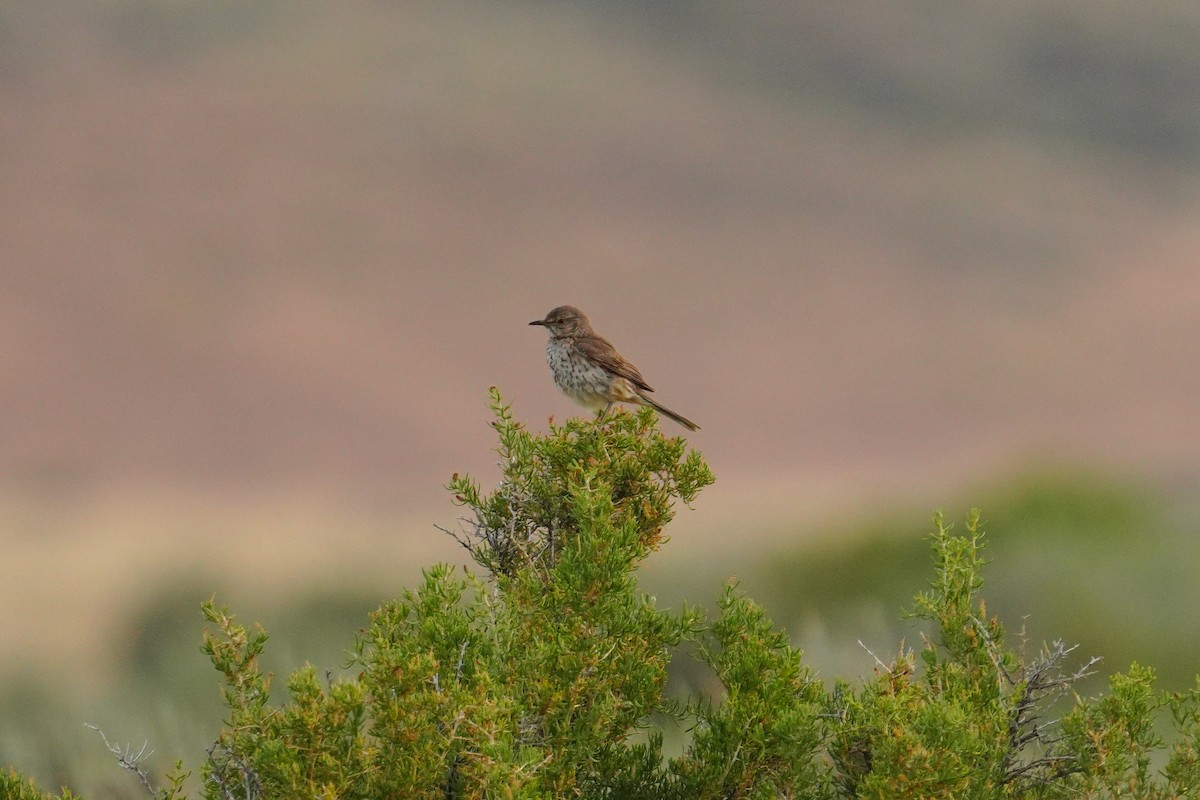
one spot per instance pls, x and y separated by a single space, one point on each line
590 371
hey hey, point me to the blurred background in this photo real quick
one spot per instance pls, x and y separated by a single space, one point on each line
261 262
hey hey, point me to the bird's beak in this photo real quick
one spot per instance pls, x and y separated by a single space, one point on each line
538 322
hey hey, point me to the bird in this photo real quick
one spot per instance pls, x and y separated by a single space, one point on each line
590 371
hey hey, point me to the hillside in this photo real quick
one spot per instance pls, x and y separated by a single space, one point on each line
293 246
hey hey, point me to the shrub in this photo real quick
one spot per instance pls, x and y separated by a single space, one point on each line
544 675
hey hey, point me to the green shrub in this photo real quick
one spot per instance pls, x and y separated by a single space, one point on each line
544 675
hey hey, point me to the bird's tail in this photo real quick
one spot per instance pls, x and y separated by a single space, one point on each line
666 412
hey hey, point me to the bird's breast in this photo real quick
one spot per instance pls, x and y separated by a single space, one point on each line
576 375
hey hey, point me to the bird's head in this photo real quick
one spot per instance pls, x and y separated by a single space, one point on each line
565 321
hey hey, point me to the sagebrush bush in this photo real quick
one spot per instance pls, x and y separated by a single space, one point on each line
544 674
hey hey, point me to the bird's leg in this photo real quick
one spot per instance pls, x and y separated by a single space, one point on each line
600 418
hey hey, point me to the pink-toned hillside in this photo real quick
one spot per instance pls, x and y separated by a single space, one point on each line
259 268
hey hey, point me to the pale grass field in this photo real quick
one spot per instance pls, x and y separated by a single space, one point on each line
87 570
89 565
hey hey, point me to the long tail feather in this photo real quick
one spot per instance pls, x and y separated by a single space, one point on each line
666 412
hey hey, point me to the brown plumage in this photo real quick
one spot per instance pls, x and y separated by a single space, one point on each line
589 370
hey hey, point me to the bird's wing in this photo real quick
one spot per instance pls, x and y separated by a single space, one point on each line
603 353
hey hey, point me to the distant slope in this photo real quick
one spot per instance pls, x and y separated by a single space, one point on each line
291 244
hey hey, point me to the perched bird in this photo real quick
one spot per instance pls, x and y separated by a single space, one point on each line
590 371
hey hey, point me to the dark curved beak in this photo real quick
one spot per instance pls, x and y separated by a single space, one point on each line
538 322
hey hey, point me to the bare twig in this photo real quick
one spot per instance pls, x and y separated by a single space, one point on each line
880 663
128 759
223 764
462 651
1042 683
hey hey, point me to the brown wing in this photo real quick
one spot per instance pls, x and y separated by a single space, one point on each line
603 353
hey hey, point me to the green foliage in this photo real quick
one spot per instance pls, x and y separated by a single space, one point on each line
618 477
967 723
764 739
14 787
541 677
536 682
1091 544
